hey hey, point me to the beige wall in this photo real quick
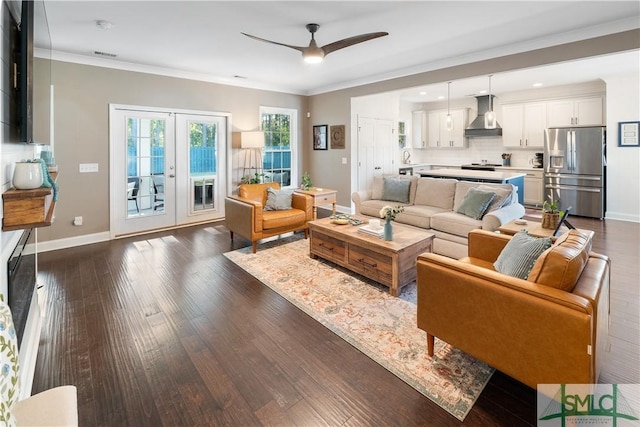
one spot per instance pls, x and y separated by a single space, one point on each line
82 97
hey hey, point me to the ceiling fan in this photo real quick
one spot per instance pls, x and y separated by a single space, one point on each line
313 54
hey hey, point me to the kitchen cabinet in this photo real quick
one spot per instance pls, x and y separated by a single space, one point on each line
533 186
583 111
441 137
523 124
419 129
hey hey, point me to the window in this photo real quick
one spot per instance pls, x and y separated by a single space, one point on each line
280 135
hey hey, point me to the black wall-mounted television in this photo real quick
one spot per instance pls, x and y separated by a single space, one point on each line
18 64
25 72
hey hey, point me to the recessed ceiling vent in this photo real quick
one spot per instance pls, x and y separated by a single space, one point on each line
105 54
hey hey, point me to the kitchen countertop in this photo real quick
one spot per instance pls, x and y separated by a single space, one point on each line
418 166
472 174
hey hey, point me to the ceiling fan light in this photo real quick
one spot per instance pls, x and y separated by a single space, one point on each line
313 56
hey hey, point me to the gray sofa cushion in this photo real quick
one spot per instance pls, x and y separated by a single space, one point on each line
476 202
435 192
395 189
463 186
504 196
377 186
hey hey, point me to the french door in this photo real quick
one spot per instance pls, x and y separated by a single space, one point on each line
375 149
166 168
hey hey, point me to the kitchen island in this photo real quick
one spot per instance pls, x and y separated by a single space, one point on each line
515 178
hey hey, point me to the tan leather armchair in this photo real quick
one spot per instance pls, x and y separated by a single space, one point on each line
531 331
245 214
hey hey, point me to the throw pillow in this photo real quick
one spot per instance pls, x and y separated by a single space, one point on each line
278 200
475 203
520 253
503 197
395 190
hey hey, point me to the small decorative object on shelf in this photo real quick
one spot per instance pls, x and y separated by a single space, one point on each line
550 214
27 175
389 213
306 181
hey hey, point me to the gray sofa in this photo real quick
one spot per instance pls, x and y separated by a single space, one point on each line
432 204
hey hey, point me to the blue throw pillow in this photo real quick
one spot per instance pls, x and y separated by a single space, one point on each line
520 254
475 203
278 200
396 190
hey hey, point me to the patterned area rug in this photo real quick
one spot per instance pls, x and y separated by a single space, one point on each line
365 315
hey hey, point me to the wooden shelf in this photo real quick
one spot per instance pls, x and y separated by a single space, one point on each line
28 208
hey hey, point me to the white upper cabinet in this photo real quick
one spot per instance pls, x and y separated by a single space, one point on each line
419 129
586 111
441 137
523 124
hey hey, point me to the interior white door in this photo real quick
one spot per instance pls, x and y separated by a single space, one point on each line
375 149
200 184
142 167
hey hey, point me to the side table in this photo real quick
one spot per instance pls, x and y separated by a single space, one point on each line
533 228
321 196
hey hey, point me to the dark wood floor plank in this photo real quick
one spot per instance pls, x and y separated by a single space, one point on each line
162 330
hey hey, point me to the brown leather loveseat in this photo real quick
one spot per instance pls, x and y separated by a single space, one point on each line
549 329
245 213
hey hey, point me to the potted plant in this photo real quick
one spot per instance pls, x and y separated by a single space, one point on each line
551 213
306 181
248 179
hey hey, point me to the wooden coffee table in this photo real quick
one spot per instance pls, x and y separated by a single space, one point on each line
392 264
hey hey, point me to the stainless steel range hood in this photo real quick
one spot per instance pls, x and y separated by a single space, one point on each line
476 129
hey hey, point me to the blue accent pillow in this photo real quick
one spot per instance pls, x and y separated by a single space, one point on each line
476 202
395 190
520 254
278 200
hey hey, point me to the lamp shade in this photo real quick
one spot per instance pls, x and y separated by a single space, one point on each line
252 139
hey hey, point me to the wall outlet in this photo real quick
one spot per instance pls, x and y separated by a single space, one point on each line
88 167
77 221
344 160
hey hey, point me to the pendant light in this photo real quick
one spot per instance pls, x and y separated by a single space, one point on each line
449 120
490 116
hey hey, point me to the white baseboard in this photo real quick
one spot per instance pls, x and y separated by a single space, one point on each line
621 217
69 242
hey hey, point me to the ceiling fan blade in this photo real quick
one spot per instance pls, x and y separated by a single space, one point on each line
341 44
298 48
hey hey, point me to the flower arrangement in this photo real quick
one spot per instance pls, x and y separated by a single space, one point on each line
389 213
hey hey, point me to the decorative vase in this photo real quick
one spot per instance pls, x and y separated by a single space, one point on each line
388 230
550 220
27 175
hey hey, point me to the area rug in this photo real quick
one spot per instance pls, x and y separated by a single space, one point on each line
365 315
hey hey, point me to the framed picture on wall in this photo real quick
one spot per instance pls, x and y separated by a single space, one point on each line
628 134
337 137
320 137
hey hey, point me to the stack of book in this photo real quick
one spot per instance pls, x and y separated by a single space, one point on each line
378 232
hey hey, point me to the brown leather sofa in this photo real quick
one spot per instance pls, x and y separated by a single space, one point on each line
245 214
532 330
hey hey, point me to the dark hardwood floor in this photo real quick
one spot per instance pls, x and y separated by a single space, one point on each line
163 330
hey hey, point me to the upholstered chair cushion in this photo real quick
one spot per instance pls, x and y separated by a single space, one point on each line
560 266
257 192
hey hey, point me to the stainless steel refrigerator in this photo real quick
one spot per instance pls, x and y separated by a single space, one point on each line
574 169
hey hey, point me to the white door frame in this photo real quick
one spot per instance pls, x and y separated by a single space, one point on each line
115 170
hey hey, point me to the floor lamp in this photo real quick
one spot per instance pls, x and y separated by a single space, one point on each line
252 144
